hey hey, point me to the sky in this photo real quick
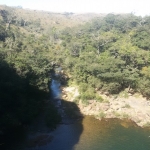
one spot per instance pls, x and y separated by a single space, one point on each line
138 7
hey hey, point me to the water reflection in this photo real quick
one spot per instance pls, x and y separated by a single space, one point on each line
111 134
92 134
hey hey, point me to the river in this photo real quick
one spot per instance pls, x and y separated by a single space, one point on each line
92 134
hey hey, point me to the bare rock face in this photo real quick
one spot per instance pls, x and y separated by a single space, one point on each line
97 109
105 107
133 107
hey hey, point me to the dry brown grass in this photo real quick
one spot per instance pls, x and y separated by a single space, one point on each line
50 19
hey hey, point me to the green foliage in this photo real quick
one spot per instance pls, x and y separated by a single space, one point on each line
127 106
87 96
99 98
19 101
124 94
118 60
2 33
147 124
116 114
102 115
141 38
124 115
86 92
144 86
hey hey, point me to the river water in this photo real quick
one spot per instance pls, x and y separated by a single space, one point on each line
55 88
92 134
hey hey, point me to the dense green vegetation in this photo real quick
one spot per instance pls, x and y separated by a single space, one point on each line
109 53
25 69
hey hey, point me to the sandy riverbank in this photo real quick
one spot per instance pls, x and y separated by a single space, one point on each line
134 107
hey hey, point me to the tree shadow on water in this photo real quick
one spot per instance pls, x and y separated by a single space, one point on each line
68 133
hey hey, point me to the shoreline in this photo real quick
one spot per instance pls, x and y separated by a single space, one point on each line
132 107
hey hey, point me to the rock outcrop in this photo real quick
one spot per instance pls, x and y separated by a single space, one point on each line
134 107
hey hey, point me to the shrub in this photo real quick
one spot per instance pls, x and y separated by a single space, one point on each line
102 115
99 98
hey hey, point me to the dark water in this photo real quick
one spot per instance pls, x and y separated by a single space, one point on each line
92 134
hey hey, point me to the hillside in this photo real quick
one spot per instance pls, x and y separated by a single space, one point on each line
46 20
